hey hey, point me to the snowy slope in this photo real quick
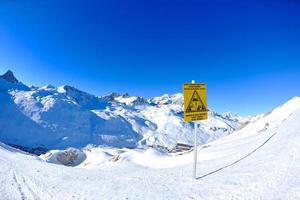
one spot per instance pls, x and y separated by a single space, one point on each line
57 118
257 162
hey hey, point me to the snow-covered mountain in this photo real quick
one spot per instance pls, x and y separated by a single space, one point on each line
60 117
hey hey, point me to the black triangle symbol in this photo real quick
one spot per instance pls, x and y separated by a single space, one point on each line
195 104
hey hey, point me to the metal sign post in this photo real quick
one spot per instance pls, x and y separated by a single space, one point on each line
195 151
195 147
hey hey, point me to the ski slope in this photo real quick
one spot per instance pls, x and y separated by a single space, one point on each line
260 161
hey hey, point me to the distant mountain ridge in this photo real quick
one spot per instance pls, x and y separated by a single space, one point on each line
60 117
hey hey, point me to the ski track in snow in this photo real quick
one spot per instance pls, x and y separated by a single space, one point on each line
24 189
237 161
23 197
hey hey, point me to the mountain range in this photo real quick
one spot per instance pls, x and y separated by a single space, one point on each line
60 117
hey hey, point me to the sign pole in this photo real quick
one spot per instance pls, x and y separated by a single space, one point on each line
195 146
195 151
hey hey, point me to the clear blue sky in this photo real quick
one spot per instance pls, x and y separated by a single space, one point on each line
247 52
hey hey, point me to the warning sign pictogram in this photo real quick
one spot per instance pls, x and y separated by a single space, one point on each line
196 104
195 107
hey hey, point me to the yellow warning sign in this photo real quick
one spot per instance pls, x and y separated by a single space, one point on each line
195 106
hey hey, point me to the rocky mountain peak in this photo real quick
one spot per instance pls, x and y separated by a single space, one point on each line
10 77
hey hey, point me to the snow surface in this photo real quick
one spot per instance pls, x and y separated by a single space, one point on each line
260 161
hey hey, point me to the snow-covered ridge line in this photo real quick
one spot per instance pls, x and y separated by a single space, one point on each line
60 117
